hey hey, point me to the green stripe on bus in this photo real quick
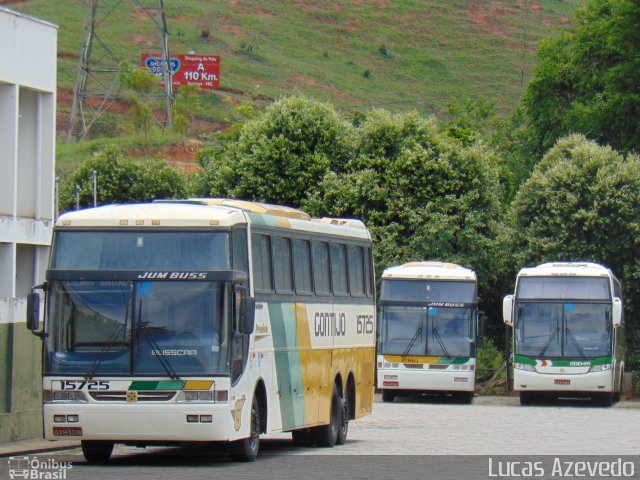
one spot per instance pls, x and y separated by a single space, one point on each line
452 361
288 368
153 385
576 362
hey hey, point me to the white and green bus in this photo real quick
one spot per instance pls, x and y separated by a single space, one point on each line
427 330
568 332
207 320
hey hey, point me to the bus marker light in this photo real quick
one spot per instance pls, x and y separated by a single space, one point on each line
206 418
222 395
73 418
59 418
192 418
460 379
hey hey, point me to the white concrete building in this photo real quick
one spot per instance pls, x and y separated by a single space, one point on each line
28 49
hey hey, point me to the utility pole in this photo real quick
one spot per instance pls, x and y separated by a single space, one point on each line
97 84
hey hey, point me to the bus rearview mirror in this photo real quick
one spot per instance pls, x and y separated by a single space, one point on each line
249 310
617 312
507 310
33 311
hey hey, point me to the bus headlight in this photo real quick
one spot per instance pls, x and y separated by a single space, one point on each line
524 366
197 396
64 396
204 396
600 368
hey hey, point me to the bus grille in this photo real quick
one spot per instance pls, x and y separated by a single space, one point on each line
151 396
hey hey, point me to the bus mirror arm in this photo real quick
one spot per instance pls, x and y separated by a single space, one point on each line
616 314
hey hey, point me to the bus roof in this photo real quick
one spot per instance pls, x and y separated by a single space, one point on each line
207 213
433 270
578 269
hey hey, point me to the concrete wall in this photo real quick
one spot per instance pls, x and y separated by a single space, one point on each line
27 172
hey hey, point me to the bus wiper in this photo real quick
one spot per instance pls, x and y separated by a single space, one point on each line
413 340
575 342
109 343
145 328
439 338
107 346
546 345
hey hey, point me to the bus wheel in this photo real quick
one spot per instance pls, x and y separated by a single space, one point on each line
465 397
246 449
604 399
526 398
302 437
96 451
388 396
327 435
343 431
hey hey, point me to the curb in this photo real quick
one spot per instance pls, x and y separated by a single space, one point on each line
25 447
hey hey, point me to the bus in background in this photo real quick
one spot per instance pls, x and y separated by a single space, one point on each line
208 320
427 330
568 332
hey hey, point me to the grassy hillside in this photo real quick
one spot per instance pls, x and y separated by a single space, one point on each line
394 54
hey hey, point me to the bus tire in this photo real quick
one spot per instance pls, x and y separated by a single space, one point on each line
388 396
526 398
343 430
97 451
327 435
604 399
618 393
246 449
465 398
302 437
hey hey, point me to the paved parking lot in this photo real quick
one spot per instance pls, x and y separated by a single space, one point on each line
491 426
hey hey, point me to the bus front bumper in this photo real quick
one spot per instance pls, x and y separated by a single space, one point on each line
525 381
140 422
437 381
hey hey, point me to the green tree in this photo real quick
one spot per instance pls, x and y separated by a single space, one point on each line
587 80
120 180
423 194
281 155
582 202
141 83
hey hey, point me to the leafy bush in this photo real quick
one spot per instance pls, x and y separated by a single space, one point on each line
488 360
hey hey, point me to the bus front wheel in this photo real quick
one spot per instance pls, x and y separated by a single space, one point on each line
96 451
526 398
388 396
246 449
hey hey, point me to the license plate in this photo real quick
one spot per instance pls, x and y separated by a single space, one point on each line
388 383
562 382
67 431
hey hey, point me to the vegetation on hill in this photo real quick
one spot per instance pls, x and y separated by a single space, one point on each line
399 56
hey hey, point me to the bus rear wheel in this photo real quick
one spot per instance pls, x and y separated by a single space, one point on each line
343 431
246 449
327 435
97 451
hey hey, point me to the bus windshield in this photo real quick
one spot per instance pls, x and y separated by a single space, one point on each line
143 327
573 330
140 250
429 331
421 291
